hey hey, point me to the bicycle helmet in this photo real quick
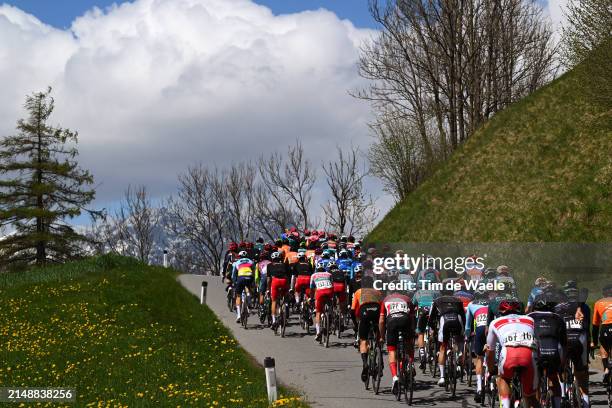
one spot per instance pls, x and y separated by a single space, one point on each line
232 246
275 256
541 282
343 238
301 256
480 294
503 270
570 284
343 254
490 273
320 267
243 254
332 265
264 255
260 240
326 254
542 303
509 306
358 269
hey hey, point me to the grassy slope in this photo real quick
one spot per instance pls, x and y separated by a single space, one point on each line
539 171
124 334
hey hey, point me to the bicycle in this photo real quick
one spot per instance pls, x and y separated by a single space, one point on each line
608 383
231 299
571 397
516 389
265 311
491 389
405 369
432 348
305 314
546 396
468 359
374 361
283 315
325 324
452 359
244 307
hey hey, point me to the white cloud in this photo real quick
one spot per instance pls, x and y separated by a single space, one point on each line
155 85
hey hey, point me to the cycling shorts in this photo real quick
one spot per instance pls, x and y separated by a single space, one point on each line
450 323
480 340
243 282
340 291
421 325
302 283
263 284
399 322
368 317
523 358
605 336
322 296
578 350
549 354
278 287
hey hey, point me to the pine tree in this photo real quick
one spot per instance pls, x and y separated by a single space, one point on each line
41 187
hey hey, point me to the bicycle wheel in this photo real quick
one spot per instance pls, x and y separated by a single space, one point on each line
409 392
322 325
454 367
432 354
244 312
284 312
379 368
492 393
469 365
371 364
327 325
231 300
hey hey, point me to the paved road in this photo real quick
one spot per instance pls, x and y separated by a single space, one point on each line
328 377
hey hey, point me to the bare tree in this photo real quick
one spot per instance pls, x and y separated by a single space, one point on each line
290 179
349 210
135 221
199 214
236 188
443 67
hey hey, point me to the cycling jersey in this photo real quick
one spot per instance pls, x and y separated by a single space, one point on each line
493 311
338 276
577 332
345 265
278 270
243 267
321 281
476 316
465 297
364 296
303 268
262 268
475 273
516 337
549 330
535 292
449 310
476 322
398 310
602 312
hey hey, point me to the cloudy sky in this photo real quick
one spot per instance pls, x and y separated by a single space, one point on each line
153 86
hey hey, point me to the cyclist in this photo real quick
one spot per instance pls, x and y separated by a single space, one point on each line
366 309
602 328
244 274
503 276
397 313
354 286
278 281
339 279
551 340
262 268
345 263
476 325
424 298
229 258
321 283
539 285
576 315
302 270
447 310
516 337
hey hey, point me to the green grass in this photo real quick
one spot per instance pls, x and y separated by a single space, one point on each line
123 334
539 171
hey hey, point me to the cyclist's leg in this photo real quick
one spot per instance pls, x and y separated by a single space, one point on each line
420 331
478 344
393 325
240 285
581 367
442 339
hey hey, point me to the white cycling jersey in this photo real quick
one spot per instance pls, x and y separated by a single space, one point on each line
512 331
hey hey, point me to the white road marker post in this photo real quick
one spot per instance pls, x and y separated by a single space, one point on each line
203 292
269 365
165 258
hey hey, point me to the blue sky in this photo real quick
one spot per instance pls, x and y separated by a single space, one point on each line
60 13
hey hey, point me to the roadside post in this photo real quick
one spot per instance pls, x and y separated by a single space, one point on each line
269 365
165 258
203 292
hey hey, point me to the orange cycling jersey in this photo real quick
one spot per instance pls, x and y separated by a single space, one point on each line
291 258
363 296
602 313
